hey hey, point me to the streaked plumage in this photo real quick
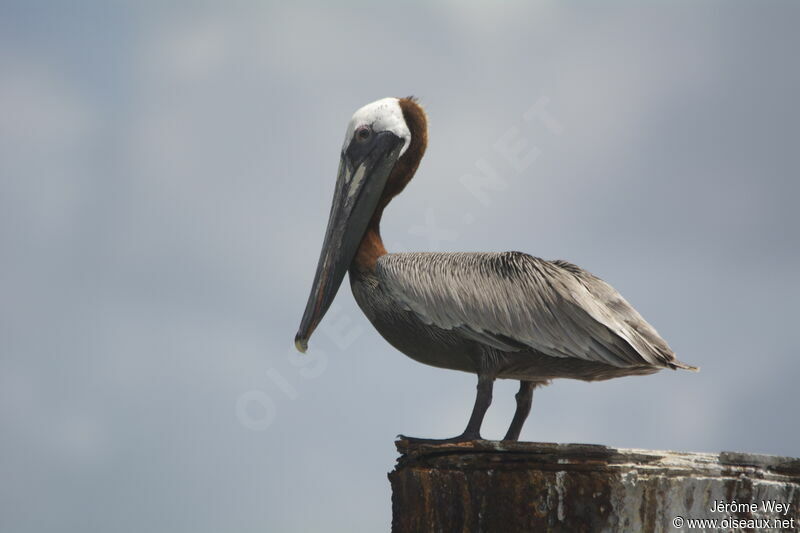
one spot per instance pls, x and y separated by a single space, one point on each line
513 301
498 315
513 309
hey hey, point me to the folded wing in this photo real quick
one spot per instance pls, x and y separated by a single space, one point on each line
512 301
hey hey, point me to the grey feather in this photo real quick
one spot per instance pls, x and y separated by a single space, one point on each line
515 302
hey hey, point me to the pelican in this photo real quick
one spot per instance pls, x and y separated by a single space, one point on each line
498 315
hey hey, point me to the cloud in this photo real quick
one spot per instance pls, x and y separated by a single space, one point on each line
168 198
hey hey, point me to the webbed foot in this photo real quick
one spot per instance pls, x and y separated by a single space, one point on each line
464 437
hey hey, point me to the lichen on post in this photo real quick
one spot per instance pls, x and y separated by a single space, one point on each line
507 487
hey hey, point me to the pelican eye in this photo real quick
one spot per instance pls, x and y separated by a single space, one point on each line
363 133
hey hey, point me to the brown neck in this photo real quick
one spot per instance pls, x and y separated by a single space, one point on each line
371 247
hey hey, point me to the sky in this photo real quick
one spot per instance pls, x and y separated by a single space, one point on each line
166 172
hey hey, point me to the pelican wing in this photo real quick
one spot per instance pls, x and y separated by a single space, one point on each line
512 301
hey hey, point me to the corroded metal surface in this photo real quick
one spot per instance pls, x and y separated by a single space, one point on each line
505 487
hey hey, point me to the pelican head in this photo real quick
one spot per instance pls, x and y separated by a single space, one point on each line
377 137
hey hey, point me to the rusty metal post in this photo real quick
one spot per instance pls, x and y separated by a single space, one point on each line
508 487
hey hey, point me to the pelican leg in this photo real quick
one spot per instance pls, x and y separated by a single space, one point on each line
524 399
483 399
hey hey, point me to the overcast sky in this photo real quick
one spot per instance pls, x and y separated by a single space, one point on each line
166 176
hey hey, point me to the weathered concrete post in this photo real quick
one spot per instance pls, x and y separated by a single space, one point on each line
508 487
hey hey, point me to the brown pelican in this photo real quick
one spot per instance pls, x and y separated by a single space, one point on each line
498 315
